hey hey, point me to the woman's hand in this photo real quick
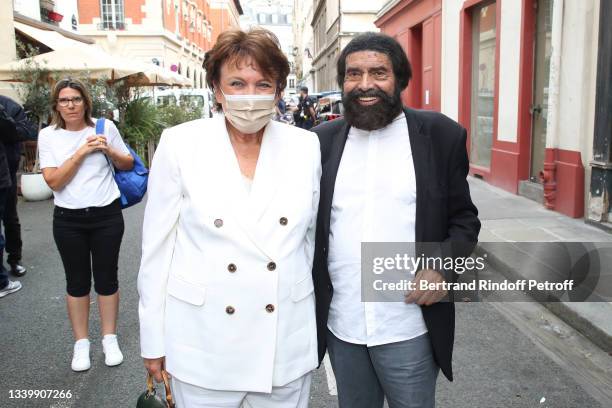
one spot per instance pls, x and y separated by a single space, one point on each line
93 144
120 160
155 366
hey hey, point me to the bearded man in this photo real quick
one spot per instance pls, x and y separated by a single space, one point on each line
390 173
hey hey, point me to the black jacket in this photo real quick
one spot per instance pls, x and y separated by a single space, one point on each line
444 212
14 129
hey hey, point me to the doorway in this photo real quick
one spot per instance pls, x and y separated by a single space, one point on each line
431 49
539 107
424 49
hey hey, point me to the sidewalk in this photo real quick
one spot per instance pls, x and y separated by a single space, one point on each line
510 218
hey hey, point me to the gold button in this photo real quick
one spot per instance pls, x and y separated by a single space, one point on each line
231 267
271 266
269 308
218 223
230 310
283 221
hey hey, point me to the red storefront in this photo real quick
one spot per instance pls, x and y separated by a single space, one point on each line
417 25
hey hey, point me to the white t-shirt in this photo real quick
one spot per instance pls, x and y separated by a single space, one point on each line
93 184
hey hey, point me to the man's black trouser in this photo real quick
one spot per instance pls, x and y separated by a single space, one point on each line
10 219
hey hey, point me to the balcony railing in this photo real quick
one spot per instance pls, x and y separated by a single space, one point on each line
110 26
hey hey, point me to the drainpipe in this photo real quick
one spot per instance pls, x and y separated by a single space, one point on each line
548 176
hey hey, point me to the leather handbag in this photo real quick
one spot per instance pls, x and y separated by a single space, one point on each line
149 398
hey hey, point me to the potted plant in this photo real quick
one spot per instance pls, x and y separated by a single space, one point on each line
141 126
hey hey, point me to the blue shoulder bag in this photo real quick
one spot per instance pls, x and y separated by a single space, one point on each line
132 183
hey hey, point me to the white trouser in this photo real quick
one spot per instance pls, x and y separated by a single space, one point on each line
293 395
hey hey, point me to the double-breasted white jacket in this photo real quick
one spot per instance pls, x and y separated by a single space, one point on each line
225 282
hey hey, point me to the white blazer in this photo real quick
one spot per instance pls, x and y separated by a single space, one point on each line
225 280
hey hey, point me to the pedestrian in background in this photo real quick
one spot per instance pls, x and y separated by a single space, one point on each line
225 284
10 219
306 109
87 219
14 128
281 106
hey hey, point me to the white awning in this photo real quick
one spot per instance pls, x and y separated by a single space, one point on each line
50 38
72 57
93 62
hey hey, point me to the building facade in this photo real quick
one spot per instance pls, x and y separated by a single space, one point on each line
61 13
303 41
335 23
520 76
174 34
225 15
275 16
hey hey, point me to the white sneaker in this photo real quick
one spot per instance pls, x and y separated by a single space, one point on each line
80 358
112 354
13 286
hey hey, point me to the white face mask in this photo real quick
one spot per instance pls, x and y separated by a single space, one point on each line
249 113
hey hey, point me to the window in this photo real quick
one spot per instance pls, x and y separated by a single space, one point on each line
112 15
166 100
292 83
483 84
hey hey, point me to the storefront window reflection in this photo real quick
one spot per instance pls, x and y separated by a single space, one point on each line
483 84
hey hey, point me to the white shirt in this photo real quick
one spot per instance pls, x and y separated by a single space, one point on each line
93 184
374 201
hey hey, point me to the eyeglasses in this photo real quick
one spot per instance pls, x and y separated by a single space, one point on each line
64 102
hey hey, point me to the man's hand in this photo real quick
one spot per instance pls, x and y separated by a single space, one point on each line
426 297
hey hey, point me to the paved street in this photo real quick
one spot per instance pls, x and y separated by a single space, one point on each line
507 355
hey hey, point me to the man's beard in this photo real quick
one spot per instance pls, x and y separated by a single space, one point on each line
372 117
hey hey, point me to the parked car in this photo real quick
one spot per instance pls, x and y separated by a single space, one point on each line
185 98
330 107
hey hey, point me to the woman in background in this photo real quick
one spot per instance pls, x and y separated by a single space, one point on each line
87 219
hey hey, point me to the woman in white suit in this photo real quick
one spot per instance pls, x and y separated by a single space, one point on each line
226 295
